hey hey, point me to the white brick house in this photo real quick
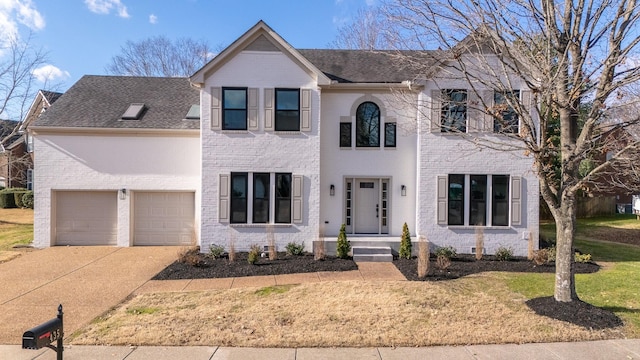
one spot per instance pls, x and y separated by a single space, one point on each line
292 141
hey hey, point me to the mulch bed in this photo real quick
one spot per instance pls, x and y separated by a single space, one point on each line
207 267
463 265
576 312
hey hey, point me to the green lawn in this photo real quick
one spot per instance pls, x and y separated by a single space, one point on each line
16 227
615 287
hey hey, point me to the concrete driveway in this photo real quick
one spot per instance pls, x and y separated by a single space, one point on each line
87 281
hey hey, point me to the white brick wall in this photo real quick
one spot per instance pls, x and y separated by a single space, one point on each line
86 162
259 151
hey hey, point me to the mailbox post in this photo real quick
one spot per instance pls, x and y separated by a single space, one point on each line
44 334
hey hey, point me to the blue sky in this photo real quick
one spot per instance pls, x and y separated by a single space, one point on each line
81 36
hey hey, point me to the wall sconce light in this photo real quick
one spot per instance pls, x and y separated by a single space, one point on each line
332 190
123 193
403 190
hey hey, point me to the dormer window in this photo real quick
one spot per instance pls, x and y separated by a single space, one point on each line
134 112
194 113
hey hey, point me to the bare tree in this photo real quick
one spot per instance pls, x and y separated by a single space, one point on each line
568 54
159 56
363 32
18 60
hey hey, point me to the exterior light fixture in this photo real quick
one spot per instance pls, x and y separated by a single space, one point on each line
332 190
403 190
123 193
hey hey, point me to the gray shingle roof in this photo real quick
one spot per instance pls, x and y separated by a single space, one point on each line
366 66
51 96
100 101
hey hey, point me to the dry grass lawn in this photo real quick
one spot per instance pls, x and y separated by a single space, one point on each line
474 310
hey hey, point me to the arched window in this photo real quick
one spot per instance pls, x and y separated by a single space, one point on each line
368 125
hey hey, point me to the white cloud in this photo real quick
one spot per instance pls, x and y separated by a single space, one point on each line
49 72
153 19
105 7
16 12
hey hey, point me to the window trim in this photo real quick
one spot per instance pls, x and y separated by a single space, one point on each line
277 111
277 199
294 199
255 200
224 108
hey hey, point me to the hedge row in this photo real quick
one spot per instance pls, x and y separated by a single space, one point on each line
16 198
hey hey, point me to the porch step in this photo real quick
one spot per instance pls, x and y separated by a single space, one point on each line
372 253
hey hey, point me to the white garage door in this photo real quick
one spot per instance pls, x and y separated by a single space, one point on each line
163 218
86 217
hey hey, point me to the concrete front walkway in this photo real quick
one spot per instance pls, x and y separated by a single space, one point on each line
592 350
87 281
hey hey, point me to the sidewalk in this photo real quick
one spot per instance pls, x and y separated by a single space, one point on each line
606 349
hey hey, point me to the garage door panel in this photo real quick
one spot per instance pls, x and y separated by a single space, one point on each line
163 218
86 218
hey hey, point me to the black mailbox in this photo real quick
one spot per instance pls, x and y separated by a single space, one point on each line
42 335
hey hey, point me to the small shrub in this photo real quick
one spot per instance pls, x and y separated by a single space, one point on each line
448 252
7 199
319 252
343 246
423 257
405 243
504 253
443 262
254 254
582 258
27 200
17 198
541 257
216 251
190 256
295 249
551 254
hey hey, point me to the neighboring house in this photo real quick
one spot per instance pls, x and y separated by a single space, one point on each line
16 161
293 142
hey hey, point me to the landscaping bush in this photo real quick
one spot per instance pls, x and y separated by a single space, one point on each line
448 252
17 197
443 262
216 251
190 256
582 258
254 254
7 198
504 253
27 199
405 243
294 248
343 246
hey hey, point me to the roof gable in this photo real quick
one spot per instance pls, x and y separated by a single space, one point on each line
259 38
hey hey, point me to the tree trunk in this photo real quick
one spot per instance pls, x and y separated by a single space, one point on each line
565 287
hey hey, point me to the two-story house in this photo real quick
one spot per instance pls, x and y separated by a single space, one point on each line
288 142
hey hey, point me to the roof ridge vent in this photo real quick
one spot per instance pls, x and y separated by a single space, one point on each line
134 111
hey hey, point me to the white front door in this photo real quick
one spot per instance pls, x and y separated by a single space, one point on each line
367 206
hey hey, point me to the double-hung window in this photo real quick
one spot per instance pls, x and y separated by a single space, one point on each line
480 200
453 115
287 110
254 194
390 134
505 119
234 108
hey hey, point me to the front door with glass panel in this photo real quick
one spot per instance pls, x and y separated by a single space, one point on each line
366 204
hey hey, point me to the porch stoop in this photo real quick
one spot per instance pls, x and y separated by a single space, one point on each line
372 254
